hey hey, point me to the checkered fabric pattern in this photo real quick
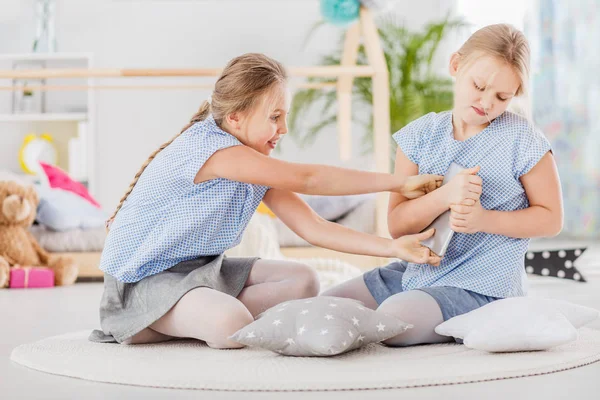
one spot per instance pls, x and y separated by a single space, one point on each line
168 219
492 265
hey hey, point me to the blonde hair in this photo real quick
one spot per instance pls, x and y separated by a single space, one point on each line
244 81
504 42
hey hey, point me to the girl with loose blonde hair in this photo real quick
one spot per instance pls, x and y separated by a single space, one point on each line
508 192
165 272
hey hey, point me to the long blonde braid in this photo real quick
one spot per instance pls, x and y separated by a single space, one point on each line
243 81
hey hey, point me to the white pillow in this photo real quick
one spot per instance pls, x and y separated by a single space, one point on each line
62 210
519 323
539 332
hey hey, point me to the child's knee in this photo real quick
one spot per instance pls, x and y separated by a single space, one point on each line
389 306
232 321
306 282
413 335
229 322
419 310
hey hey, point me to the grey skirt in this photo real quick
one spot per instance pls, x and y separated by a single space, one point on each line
128 308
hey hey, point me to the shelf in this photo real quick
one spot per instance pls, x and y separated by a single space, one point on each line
43 117
45 56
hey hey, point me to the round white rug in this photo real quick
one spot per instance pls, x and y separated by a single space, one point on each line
193 365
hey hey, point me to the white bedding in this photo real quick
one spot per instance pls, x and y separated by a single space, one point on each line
71 241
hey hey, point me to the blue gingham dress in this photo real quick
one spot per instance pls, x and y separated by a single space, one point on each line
170 235
167 219
491 265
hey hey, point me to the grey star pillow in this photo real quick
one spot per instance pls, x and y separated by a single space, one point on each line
319 326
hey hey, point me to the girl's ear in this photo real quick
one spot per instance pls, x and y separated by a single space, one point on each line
234 120
453 66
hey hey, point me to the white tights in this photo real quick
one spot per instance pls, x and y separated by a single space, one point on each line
415 307
209 315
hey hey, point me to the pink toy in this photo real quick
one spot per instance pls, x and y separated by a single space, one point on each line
57 178
31 277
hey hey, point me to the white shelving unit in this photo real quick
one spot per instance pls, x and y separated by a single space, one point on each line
67 115
47 117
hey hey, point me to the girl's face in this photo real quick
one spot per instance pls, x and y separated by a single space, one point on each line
262 127
483 89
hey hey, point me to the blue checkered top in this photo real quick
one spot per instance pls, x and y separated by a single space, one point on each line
508 148
168 219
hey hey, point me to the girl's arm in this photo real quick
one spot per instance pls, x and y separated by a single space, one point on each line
300 218
543 217
412 216
243 164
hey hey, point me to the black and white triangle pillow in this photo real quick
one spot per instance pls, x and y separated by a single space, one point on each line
556 263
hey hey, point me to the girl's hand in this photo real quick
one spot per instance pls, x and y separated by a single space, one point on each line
419 185
409 248
467 218
464 188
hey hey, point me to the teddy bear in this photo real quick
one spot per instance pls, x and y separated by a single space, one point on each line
18 205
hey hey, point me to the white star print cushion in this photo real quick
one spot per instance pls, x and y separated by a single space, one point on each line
319 326
519 324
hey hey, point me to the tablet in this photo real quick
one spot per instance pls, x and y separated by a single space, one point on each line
438 243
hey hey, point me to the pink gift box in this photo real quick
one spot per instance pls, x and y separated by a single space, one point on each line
31 277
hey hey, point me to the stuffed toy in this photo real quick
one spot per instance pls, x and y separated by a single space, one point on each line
18 205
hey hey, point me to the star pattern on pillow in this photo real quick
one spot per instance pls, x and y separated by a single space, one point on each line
321 326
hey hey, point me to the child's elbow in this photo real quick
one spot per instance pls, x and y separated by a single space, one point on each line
313 230
395 233
397 230
556 226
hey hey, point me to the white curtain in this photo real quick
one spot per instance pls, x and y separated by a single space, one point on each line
565 40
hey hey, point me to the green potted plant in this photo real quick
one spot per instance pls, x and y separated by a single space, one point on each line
27 100
415 89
